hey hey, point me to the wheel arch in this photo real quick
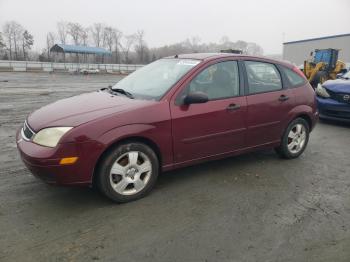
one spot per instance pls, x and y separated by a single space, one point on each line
132 138
302 111
307 118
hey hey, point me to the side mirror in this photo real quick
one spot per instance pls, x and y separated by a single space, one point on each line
195 98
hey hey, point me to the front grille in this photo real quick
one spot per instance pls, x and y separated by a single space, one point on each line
340 97
27 133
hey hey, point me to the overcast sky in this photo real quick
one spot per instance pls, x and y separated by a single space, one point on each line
265 22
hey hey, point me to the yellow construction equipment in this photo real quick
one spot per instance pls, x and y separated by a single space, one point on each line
324 66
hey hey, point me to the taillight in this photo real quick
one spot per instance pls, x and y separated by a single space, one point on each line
299 72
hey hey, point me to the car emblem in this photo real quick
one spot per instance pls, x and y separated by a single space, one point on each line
346 97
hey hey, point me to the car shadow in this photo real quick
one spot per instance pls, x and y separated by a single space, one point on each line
234 163
78 198
77 195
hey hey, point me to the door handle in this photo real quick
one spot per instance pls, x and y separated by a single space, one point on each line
232 107
283 98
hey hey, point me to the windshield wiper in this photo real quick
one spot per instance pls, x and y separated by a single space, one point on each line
121 91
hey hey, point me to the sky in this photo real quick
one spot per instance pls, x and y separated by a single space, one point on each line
266 22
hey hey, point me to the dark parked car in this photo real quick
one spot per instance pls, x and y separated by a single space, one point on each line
333 99
172 113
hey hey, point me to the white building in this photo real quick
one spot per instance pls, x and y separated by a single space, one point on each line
298 51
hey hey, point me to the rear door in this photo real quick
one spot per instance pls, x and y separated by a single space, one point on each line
214 127
268 102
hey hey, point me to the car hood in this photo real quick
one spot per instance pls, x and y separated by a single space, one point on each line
81 109
338 85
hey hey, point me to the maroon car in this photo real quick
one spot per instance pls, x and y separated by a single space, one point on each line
172 113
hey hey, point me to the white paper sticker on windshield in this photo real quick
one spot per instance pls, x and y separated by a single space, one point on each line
188 62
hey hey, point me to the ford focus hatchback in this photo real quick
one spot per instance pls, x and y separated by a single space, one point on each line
172 113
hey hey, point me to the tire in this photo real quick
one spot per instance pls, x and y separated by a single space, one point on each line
293 147
128 172
320 77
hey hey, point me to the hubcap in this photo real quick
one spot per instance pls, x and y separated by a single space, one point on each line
296 138
130 173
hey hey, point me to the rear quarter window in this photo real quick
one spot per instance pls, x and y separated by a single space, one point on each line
293 78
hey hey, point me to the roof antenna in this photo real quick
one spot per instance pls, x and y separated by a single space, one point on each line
176 56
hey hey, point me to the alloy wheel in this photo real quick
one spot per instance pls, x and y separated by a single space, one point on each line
296 138
130 173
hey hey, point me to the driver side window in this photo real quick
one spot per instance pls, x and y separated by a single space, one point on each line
218 81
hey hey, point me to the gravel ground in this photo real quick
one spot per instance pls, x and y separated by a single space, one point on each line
254 207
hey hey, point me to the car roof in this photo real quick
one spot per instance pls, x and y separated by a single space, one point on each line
212 56
200 56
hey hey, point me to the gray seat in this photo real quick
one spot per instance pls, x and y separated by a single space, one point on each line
221 85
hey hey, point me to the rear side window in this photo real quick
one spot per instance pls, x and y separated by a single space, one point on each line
293 78
262 77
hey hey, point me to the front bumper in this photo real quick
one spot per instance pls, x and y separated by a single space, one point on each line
43 162
333 110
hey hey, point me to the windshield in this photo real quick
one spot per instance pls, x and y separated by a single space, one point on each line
154 80
346 75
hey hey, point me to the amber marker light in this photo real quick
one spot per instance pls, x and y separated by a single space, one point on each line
68 160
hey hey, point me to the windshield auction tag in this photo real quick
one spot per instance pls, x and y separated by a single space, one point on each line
188 62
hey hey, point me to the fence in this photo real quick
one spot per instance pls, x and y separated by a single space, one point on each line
31 66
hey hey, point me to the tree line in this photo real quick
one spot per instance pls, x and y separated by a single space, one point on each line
16 43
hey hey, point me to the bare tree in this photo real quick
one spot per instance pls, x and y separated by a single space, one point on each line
225 43
84 34
8 34
126 45
241 45
225 39
97 33
27 42
195 42
17 37
141 47
108 37
117 38
50 41
2 45
75 31
254 49
62 30
13 32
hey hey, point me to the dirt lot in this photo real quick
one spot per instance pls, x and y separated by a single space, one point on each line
254 207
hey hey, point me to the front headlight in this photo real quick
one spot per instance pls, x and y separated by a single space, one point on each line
321 91
50 136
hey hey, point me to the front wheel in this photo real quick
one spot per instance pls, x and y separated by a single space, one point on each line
128 172
295 139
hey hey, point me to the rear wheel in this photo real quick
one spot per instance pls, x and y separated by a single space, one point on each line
128 172
295 139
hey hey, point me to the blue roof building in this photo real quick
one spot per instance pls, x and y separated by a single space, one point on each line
79 49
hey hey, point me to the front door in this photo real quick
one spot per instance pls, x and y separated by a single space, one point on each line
214 127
